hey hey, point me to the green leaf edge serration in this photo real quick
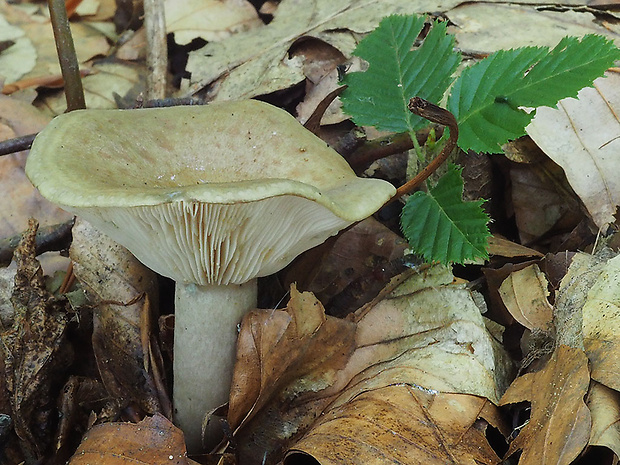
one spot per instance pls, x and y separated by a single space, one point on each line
487 98
379 96
442 227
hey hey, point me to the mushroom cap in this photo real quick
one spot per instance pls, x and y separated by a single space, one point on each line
213 194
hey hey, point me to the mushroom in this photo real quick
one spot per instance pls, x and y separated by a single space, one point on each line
212 197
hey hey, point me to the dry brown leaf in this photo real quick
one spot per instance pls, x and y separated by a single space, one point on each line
280 355
357 265
541 201
124 291
153 441
505 248
559 427
604 405
525 293
403 424
257 61
423 332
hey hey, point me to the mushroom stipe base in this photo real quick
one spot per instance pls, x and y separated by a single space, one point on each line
205 335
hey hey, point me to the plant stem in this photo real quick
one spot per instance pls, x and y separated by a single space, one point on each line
438 115
205 334
66 55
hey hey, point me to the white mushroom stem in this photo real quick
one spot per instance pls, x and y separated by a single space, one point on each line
205 334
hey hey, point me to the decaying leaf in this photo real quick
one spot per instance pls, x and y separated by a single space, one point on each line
525 294
425 333
41 49
559 426
257 62
34 350
505 248
404 424
154 440
582 137
124 292
542 204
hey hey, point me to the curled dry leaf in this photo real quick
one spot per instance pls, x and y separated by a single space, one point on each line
282 355
601 325
604 405
525 294
34 351
124 292
153 441
559 426
422 331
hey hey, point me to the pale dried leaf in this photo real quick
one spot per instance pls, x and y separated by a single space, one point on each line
525 294
89 42
485 27
559 426
424 332
257 62
505 248
20 57
582 137
601 325
107 82
210 20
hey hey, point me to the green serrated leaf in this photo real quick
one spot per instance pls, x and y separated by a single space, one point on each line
442 227
487 97
379 96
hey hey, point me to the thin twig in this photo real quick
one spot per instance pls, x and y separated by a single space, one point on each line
54 237
157 49
66 55
16 145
